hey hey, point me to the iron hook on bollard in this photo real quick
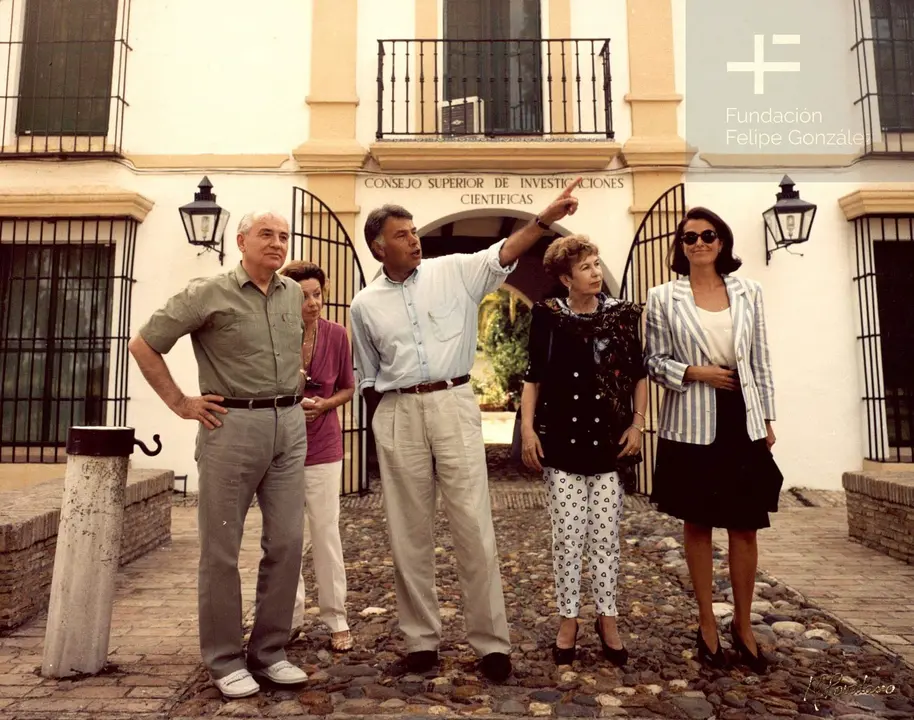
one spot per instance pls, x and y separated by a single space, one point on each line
150 453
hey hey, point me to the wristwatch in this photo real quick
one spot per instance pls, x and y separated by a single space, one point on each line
541 224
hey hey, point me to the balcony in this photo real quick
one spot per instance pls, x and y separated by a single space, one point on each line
442 98
884 51
64 67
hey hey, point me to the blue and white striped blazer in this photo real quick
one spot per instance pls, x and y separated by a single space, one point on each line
675 340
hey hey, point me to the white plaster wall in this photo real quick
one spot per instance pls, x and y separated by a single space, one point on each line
217 76
812 324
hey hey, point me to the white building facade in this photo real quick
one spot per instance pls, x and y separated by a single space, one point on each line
114 110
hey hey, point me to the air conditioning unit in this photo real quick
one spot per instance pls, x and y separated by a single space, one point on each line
463 116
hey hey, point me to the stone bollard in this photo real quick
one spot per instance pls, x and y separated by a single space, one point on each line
88 549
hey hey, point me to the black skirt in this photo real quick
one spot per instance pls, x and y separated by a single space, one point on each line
732 483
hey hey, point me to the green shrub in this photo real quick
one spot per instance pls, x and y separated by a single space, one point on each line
504 328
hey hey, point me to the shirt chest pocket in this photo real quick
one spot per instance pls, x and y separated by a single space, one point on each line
235 332
287 330
446 320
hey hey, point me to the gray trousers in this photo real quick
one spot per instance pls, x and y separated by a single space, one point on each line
262 452
409 431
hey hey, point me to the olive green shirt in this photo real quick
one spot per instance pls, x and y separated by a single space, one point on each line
247 344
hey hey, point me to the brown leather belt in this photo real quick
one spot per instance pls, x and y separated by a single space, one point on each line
434 386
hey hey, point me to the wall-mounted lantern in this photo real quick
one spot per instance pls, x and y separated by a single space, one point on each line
204 221
789 221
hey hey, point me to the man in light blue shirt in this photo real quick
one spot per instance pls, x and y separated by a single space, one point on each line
414 341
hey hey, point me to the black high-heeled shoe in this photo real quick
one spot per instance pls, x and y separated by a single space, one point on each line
756 663
706 657
617 657
566 656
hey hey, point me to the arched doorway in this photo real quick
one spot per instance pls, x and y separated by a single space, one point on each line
476 230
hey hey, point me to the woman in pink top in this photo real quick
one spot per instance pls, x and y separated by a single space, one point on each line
328 384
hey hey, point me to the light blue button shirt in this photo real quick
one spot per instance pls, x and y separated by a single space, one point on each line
423 329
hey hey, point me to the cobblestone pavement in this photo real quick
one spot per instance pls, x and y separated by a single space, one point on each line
154 667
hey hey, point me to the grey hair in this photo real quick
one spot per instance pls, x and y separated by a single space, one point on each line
374 224
252 218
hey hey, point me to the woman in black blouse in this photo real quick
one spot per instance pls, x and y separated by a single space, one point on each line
582 414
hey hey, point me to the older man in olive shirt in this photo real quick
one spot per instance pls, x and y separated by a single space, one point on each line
246 330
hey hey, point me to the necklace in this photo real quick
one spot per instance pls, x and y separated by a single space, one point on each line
309 349
593 306
710 297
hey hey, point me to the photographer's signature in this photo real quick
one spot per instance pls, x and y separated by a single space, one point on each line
835 686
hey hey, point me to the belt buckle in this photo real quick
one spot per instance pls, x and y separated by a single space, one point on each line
276 402
250 403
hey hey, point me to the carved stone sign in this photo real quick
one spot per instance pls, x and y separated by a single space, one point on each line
493 189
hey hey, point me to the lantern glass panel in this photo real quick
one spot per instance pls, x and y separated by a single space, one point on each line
221 224
791 224
204 225
808 216
771 222
188 225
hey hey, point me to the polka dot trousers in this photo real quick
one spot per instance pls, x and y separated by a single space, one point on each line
586 512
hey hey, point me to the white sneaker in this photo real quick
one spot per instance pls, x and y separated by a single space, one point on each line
237 685
283 673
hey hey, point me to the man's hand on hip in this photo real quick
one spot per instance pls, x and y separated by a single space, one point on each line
201 409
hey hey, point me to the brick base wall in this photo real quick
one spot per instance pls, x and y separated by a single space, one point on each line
880 512
29 519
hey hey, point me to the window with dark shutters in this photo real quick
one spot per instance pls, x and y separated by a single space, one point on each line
65 84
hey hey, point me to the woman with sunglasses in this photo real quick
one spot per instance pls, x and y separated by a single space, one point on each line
327 383
707 346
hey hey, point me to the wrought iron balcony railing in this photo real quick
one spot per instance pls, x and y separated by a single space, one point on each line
64 67
465 88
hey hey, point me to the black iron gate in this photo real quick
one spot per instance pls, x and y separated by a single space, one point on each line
319 237
648 265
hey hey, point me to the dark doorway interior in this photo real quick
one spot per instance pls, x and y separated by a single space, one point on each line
470 235
894 264
493 54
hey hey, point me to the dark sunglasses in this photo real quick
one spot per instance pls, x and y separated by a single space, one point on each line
312 384
707 237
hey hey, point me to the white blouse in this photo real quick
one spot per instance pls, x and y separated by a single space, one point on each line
718 329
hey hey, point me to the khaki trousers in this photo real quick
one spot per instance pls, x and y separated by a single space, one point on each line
322 530
258 452
409 431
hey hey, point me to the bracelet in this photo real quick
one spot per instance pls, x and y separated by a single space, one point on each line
641 414
541 224
639 428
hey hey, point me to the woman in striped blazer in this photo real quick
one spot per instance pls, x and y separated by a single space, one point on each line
706 345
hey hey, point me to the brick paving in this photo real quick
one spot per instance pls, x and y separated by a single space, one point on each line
808 548
154 651
154 654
